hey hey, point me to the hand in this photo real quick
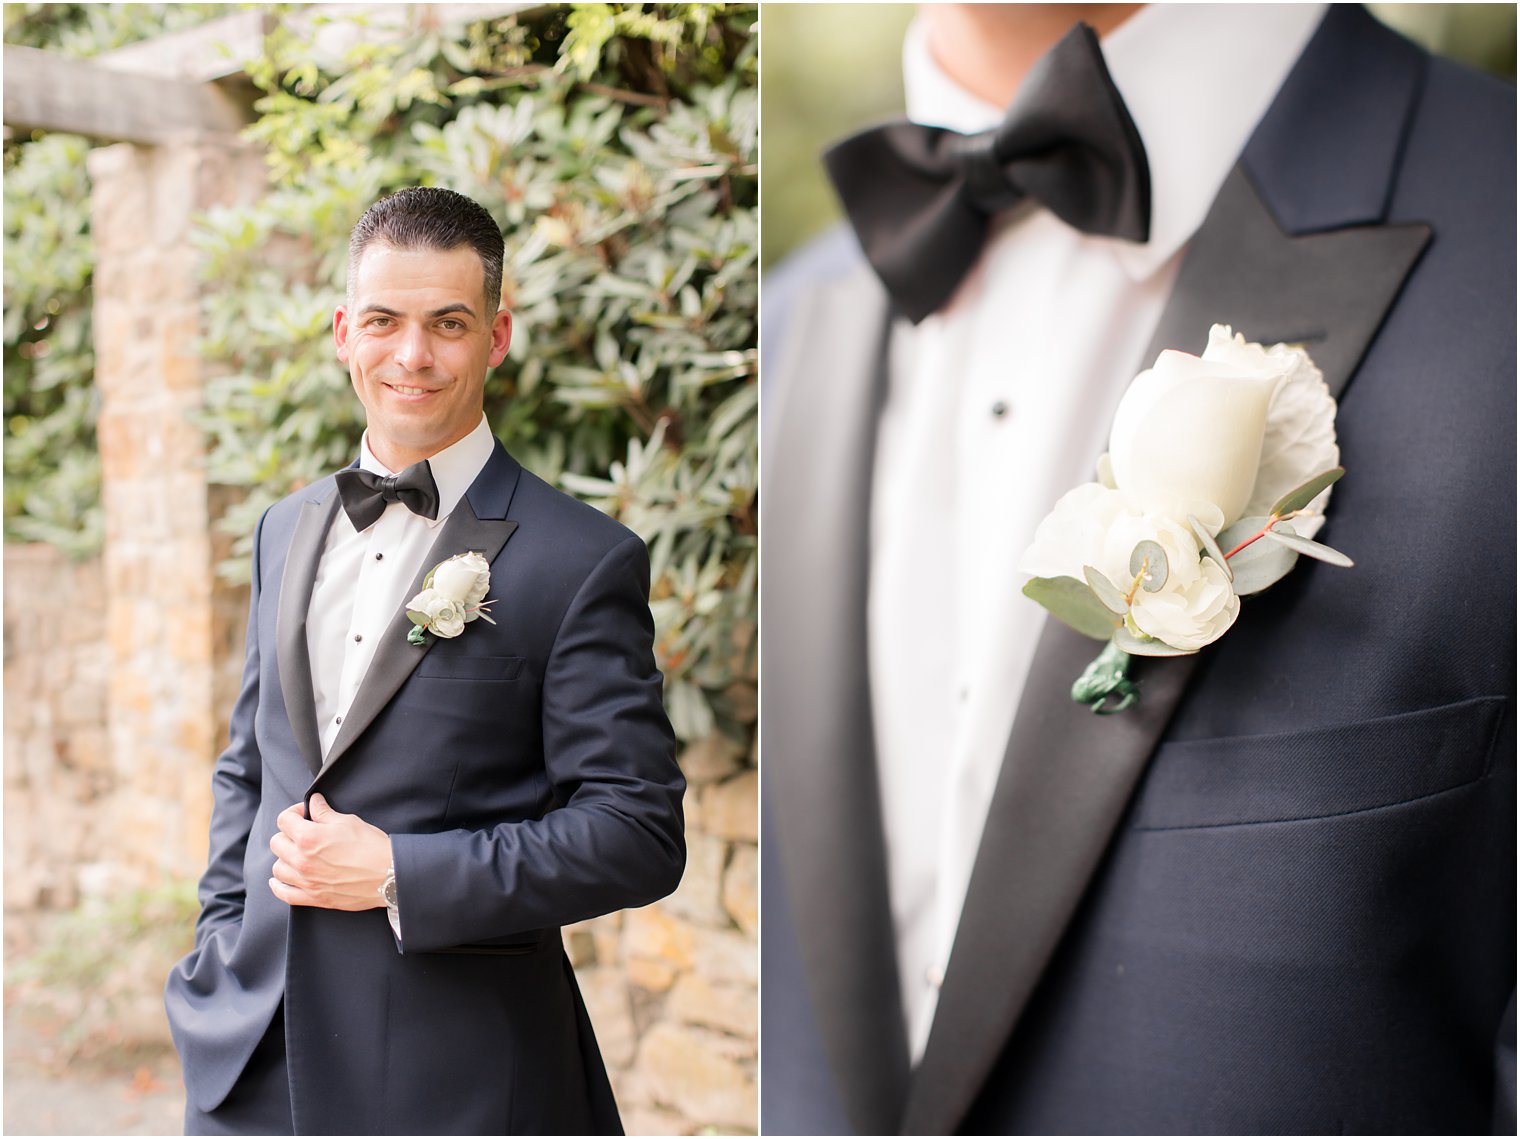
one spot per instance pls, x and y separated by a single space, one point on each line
331 860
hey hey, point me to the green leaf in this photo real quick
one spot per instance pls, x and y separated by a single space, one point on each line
1105 591
1147 561
1301 496
1147 646
1073 603
1231 536
1259 565
1284 535
1211 547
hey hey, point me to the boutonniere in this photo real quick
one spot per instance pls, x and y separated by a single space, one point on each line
453 595
1216 480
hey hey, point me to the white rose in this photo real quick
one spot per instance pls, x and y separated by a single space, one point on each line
1188 433
441 615
465 578
1071 535
1194 606
1096 526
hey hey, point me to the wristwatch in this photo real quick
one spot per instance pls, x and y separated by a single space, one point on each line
387 893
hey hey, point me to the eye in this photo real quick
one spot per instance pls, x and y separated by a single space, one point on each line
378 322
451 325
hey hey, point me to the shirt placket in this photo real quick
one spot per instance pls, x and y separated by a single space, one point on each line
375 585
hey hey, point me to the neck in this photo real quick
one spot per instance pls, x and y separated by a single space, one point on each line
989 48
397 458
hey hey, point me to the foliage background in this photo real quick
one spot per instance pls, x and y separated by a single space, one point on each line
616 145
52 472
831 69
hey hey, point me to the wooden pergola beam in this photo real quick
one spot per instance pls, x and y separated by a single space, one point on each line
45 91
216 49
148 91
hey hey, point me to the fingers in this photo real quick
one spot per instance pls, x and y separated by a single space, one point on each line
291 895
320 808
291 819
283 847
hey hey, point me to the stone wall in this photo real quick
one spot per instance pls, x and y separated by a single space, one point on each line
672 987
58 774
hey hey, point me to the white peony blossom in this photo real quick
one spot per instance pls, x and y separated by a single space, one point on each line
1095 526
441 615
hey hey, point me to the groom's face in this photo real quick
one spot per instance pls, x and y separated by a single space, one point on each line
418 336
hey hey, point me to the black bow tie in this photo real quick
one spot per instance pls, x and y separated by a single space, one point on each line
920 198
365 494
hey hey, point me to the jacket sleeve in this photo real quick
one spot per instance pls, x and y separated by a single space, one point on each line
1504 1073
617 839
235 787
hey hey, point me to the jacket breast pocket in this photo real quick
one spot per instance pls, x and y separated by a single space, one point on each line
1317 772
442 665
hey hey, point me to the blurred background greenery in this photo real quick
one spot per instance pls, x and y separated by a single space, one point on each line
830 69
616 146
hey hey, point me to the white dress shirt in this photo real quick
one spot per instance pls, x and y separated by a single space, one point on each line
364 577
1000 403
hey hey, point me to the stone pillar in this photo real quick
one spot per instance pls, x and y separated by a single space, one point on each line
167 615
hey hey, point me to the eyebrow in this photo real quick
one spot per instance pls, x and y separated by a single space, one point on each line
457 306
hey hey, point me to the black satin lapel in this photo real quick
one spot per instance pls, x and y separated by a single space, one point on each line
296 584
1067 773
819 762
1066 777
1327 291
396 658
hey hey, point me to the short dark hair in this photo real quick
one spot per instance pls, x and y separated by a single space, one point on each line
428 217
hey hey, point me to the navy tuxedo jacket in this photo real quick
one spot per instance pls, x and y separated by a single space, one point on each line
1278 895
526 773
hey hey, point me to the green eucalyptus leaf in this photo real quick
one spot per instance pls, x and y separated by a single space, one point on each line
1072 602
1300 496
1283 535
1259 565
1146 646
1210 547
1105 591
1148 562
1236 533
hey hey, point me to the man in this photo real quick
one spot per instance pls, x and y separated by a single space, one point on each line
1278 894
400 828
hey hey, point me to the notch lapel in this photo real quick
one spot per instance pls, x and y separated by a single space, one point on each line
1068 774
819 762
296 584
477 523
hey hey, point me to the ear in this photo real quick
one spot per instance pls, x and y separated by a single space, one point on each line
340 332
501 336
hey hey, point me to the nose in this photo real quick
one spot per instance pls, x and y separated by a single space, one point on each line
414 351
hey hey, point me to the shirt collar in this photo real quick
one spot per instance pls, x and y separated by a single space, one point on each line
454 468
1196 78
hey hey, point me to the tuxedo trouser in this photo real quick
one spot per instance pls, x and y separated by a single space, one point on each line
259 1103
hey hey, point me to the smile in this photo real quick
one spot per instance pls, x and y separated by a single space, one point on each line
404 390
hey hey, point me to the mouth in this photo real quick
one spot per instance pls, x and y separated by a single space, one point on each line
412 392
